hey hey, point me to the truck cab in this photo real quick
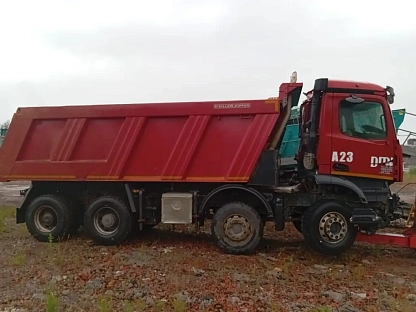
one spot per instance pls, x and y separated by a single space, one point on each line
356 132
349 155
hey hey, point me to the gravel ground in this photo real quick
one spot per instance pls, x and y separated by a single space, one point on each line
180 270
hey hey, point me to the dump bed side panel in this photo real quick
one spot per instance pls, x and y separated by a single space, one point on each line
134 143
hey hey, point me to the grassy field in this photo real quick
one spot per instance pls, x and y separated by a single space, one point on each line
180 270
410 177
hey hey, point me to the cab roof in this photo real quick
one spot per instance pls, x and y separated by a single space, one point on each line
346 84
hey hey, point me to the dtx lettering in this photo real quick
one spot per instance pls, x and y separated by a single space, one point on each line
384 161
342 156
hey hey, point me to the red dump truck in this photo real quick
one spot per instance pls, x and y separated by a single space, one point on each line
116 168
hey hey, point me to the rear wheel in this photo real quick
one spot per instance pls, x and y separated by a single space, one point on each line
326 228
108 221
49 218
237 228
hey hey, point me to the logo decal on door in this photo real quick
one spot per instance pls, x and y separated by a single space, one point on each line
384 161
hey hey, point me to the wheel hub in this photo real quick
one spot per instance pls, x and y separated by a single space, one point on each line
237 228
45 218
333 227
108 220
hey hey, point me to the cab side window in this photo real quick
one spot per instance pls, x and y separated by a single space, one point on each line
363 120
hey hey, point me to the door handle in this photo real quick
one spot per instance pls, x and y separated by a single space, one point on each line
340 167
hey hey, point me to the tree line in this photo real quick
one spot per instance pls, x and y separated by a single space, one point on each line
5 124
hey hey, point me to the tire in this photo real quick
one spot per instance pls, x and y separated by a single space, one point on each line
49 218
117 212
243 214
334 243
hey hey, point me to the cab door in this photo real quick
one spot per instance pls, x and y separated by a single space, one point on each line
362 137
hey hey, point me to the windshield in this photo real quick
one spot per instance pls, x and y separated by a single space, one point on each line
363 120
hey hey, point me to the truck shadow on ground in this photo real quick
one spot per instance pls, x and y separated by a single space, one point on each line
289 242
165 236
286 243
168 236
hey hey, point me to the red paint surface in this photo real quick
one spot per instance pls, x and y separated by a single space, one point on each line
198 141
407 239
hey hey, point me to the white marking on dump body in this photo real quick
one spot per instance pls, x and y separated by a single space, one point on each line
232 105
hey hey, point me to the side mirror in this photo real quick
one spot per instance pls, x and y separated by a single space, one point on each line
390 94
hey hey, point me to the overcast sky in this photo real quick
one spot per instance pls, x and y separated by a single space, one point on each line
85 52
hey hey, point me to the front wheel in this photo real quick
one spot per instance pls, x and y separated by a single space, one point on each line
327 229
108 221
237 228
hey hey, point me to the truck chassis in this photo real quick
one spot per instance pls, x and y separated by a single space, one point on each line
111 211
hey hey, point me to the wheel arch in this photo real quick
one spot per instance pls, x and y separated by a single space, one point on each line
321 179
35 190
227 190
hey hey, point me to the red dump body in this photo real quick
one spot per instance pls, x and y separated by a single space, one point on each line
198 142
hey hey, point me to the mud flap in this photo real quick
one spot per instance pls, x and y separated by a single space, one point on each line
20 216
279 215
21 211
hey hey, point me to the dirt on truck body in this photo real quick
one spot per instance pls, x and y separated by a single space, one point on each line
116 168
